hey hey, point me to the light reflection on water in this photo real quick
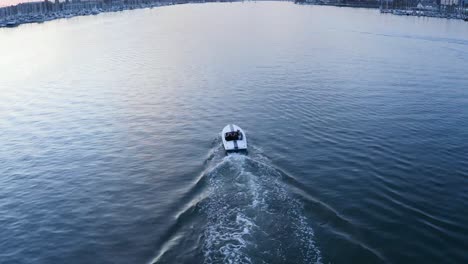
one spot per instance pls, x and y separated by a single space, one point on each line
109 129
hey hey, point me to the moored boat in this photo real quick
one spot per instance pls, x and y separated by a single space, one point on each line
11 23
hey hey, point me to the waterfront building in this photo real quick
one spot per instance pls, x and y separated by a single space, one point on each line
449 2
31 8
57 7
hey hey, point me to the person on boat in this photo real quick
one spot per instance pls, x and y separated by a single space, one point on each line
238 135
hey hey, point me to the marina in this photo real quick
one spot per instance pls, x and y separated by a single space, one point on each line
426 13
457 9
39 12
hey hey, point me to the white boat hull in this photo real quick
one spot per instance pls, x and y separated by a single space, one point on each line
234 145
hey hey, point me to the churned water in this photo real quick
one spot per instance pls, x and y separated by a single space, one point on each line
357 125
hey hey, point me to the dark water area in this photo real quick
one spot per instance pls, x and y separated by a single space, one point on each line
357 125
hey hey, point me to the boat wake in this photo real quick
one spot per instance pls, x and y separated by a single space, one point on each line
252 216
246 215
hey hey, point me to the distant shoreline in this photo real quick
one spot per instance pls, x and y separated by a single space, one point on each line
40 12
409 11
47 11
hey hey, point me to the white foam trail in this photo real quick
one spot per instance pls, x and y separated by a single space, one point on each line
228 226
252 216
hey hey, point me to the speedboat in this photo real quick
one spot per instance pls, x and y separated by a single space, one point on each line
234 138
